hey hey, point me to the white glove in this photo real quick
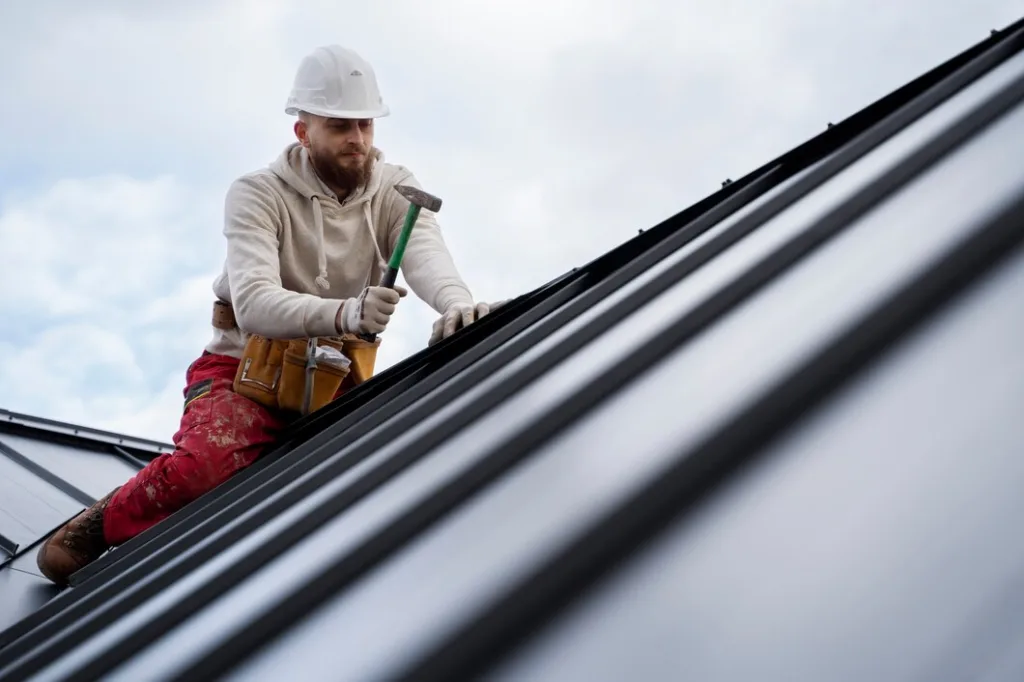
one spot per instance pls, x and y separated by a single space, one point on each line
458 316
370 312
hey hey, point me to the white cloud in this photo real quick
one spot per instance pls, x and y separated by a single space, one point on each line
553 131
86 244
108 280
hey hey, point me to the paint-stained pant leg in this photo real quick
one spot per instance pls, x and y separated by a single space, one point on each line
220 433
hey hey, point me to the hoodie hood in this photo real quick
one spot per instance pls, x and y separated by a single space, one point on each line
296 170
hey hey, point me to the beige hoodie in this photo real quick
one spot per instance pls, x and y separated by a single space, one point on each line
295 253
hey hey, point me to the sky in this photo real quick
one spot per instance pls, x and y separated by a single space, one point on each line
553 131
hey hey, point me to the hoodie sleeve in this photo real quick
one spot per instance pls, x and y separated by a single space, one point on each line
427 264
252 222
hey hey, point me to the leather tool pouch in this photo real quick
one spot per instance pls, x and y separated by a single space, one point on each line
326 377
273 372
259 373
363 355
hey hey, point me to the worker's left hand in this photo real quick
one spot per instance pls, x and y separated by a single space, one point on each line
458 316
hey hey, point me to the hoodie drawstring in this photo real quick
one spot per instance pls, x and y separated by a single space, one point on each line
295 169
381 262
318 225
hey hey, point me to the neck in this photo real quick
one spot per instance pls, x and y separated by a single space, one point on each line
340 192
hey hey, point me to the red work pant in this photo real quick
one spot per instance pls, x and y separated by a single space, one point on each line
220 434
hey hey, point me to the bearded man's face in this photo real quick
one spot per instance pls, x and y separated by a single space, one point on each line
339 149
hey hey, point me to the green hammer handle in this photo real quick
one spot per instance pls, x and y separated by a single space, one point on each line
391 274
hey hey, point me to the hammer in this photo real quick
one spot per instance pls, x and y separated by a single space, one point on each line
417 199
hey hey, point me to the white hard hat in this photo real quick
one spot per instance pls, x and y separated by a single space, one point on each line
335 82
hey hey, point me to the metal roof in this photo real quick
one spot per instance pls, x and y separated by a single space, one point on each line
49 472
776 436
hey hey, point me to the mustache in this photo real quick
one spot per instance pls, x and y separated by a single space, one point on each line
355 150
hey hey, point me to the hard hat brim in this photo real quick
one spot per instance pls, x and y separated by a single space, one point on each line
379 112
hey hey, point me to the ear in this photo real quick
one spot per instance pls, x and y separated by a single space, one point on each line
301 133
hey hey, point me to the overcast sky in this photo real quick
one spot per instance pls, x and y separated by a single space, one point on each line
552 130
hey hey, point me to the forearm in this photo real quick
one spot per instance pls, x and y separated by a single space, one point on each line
263 308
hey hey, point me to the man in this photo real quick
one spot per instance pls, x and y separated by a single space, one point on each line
307 241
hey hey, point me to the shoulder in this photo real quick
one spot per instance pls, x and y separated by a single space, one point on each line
258 187
260 180
394 174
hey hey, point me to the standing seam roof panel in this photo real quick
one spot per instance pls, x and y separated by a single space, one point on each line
985 55
50 472
877 541
396 618
641 251
395 506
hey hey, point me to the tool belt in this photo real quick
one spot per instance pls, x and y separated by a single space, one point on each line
298 375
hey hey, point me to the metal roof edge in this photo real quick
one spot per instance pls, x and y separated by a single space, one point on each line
17 423
833 137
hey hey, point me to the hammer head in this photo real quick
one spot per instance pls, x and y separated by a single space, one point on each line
420 198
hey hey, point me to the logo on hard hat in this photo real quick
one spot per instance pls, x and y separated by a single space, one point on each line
357 72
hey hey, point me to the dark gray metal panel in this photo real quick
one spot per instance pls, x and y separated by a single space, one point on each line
397 387
798 156
771 333
42 484
259 537
230 602
30 507
587 472
26 591
95 473
440 371
22 424
22 593
880 540
46 475
204 630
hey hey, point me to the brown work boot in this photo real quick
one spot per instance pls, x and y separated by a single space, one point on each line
79 542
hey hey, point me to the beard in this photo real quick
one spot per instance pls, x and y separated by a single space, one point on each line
343 179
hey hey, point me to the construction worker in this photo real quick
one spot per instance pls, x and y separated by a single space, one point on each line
307 240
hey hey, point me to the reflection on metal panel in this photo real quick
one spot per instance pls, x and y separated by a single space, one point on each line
49 471
13 422
888 522
22 593
29 506
95 473
709 453
585 473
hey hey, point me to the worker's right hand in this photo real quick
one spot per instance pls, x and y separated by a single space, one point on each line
370 312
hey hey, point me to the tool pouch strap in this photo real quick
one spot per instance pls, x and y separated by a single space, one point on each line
223 315
272 372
